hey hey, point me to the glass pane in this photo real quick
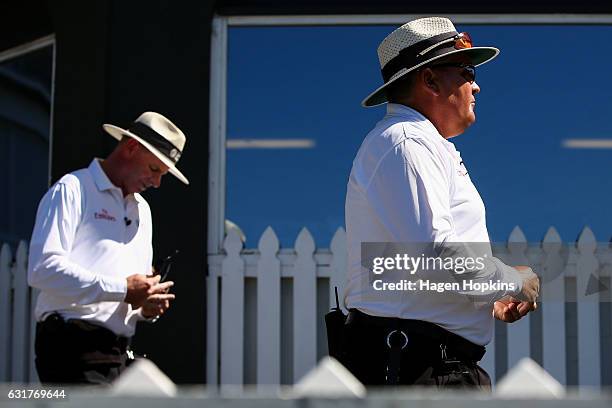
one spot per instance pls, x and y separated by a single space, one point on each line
25 109
303 86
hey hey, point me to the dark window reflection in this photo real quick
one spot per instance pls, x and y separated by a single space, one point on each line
25 111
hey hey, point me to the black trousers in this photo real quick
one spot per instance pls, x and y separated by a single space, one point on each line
77 352
426 359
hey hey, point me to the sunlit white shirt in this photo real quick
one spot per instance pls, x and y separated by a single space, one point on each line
87 239
409 184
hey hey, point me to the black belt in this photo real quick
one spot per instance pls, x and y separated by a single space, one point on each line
91 341
451 344
103 335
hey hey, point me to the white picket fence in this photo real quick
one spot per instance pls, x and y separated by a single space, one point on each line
265 310
17 324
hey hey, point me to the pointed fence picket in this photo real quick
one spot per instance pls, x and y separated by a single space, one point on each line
21 310
589 356
17 325
6 285
286 349
232 312
268 310
32 374
553 306
518 332
304 316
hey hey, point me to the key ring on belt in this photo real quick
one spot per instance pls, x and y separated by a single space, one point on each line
402 333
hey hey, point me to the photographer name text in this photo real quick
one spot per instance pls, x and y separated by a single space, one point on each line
426 285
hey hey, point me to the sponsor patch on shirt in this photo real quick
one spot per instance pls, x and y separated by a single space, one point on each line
104 215
461 170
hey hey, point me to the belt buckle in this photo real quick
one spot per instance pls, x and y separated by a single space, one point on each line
400 332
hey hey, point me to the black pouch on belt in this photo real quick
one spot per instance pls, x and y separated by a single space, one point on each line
334 322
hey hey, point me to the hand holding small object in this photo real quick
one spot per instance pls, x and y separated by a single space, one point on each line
139 287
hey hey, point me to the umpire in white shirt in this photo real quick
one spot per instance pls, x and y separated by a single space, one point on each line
408 184
91 256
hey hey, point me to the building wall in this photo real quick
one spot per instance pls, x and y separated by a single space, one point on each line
158 60
115 60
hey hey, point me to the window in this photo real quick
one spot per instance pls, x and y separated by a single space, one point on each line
294 123
26 77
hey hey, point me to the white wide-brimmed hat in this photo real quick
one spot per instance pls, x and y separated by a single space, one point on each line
155 132
420 42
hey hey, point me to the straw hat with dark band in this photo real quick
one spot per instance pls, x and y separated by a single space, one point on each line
420 42
159 135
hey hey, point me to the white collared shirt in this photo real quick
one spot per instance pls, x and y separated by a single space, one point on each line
409 185
87 239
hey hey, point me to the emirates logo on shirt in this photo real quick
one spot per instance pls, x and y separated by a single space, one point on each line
104 215
462 171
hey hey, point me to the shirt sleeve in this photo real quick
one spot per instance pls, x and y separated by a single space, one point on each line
49 266
137 316
410 191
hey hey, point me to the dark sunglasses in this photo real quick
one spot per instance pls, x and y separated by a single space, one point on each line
468 71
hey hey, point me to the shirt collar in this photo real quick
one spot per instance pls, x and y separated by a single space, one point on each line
396 109
100 178
103 182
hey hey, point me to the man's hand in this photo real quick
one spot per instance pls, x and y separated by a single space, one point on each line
510 310
156 305
531 284
140 287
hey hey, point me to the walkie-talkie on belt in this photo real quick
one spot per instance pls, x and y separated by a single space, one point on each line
334 321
